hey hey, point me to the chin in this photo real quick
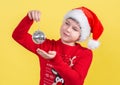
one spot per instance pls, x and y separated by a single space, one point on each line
66 41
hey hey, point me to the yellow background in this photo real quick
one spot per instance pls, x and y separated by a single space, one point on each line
18 66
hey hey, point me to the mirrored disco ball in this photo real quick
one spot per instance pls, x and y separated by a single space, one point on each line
38 37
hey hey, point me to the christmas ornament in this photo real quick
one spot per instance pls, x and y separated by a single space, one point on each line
38 37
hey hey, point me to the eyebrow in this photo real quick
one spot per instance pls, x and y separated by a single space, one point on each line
74 20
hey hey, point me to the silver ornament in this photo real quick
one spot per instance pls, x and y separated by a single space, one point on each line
38 37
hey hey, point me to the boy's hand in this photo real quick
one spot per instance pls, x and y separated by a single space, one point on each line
49 55
34 15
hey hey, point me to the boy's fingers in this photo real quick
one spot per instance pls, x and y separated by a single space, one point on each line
35 15
49 55
52 52
29 15
42 53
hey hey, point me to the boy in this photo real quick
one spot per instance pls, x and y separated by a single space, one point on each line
63 62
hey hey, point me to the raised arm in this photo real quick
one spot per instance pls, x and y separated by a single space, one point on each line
21 34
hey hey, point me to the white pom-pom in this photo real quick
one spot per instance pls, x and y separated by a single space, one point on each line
93 44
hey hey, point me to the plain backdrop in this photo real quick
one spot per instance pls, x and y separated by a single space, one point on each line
19 66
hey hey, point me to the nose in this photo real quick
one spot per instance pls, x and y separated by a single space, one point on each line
69 29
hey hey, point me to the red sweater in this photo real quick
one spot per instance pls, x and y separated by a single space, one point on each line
70 65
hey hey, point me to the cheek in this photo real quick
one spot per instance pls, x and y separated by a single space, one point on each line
62 28
76 35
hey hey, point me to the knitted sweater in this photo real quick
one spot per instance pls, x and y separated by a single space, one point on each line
70 65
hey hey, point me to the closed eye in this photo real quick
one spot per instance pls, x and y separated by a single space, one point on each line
67 23
75 29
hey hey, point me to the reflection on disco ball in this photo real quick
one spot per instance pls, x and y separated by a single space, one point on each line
38 37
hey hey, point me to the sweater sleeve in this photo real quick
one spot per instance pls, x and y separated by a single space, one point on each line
73 75
22 36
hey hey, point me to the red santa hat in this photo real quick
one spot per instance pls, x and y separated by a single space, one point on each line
89 23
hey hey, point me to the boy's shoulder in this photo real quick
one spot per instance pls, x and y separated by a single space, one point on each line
84 50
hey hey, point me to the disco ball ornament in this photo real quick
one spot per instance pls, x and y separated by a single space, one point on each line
38 37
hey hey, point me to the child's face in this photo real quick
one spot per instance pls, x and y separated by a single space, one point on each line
70 31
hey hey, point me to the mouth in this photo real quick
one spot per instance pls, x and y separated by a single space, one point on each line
66 34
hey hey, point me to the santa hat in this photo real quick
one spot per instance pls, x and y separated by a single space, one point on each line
89 23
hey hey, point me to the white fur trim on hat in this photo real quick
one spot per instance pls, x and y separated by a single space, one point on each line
79 16
93 44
